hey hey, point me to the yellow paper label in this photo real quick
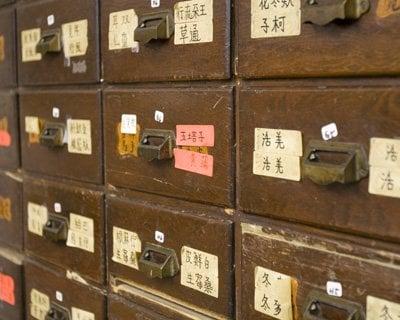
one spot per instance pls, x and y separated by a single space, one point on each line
194 22
382 309
126 246
385 153
2 48
79 314
79 136
278 141
81 232
121 30
37 218
29 39
40 304
75 38
387 8
5 209
275 18
32 125
4 124
128 144
273 294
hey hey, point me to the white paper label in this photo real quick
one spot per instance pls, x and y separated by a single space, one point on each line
50 20
155 3
159 237
59 296
40 304
384 182
29 39
278 141
32 125
334 289
128 123
81 232
79 136
37 218
79 314
121 31
385 153
75 38
199 271
194 22
159 116
57 207
275 18
126 246
56 112
380 309
329 131
273 294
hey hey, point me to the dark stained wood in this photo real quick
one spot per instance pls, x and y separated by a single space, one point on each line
162 60
361 111
8 67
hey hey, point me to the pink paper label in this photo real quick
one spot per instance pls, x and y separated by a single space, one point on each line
194 162
5 139
7 288
195 135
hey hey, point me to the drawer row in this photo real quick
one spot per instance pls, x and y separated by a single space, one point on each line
60 41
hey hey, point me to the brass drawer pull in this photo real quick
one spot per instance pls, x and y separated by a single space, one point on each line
155 26
157 144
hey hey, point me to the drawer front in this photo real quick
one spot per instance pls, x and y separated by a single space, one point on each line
10 210
188 41
274 39
65 226
47 289
58 42
53 152
310 264
334 190
9 131
11 277
178 124
8 70
168 266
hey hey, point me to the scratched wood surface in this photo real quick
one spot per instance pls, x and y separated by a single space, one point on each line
8 63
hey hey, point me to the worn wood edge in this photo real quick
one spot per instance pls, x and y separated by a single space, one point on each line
12 256
16 176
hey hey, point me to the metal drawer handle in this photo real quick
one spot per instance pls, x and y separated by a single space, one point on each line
335 162
320 306
322 12
157 144
50 41
56 228
57 313
52 135
155 26
158 262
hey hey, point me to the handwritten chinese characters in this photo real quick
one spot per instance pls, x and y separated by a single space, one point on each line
37 218
81 233
273 294
121 30
195 135
275 18
79 136
126 246
277 153
194 162
5 209
382 309
79 314
384 163
194 22
40 304
29 39
128 144
199 271
75 38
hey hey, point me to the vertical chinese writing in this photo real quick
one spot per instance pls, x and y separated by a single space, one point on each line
79 136
121 32
380 309
81 232
126 246
29 40
75 38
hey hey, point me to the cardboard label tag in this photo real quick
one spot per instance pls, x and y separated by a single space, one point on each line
121 31
29 39
37 218
40 304
273 294
7 289
75 38
5 209
79 314
5 139
32 125
276 166
194 162
81 232
275 18
79 136
195 135
386 8
199 271
194 22
382 309
128 144
385 153
384 182
126 247
2 48
278 141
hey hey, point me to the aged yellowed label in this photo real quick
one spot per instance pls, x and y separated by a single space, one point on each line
384 182
199 271
273 294
121 30
203 150
81 232
4 124
32 125
128 144
2 48
40 304
382 309
278 141
387 8
194 22
275 18
385 153
126 247
5 209
29 39
79 136
79 314
37 218
75 38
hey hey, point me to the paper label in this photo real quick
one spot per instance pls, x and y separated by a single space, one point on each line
40 304
5 139
334 288
75 38
155 3
29 39
194 22
126 246
275 18
2 48
128 123
385 153
199 271
59 296
382 309
79 136
128 144
159 116
50 20
194 162
7 289
278 141
37 218
32 125
387 8
79 314
273 294
195 135
329 131
384 182
121 31
5 209
81 232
